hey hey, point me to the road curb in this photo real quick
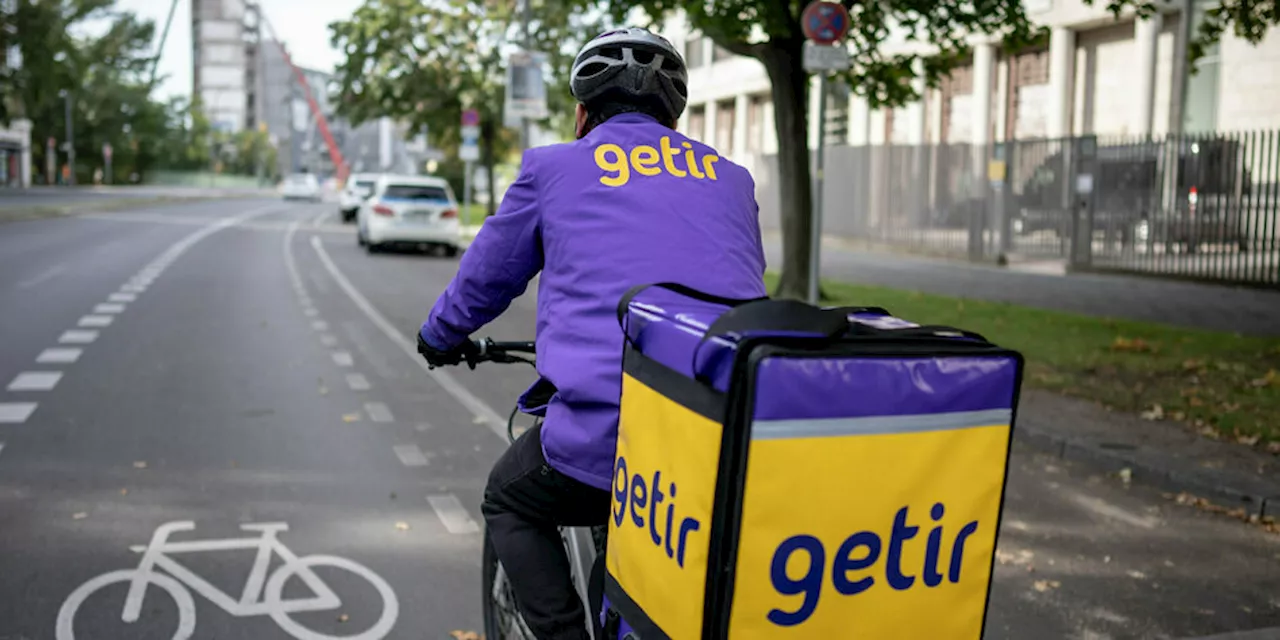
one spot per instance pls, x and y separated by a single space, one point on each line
1271 633
1158 470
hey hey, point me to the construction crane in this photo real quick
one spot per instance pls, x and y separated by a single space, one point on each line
335 154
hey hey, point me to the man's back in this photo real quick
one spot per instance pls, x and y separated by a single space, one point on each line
633 202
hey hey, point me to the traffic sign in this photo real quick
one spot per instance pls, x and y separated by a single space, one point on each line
106 151
469 153
825 22
825 57
470 132
470 118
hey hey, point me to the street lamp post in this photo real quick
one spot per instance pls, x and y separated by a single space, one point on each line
71 140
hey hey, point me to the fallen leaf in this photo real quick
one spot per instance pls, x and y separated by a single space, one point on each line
79 516
1271 379
402 526
1137 345
478 420
1126 475
1195 402
1192 364
1156 412
343 618
140 465
458 634
1136 575
324 391
124 492
1045 585
1178 415
1274 447
1247 440
350 417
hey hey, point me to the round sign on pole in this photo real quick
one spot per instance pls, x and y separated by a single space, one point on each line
471 118
825 22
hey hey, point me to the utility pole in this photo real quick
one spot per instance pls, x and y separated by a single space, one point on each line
71 140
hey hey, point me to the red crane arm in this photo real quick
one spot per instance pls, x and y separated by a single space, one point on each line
335 154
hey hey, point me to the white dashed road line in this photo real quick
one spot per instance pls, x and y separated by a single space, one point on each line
328 340
78 336
109 307
378 412
58 356
320 325
357 382
122 297
342 358
475 405
16 412
95 321
35 381
410 455
452 514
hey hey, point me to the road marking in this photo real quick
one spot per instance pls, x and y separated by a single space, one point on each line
310 312
1111 511
58 356
1 447
35 381
320 325
108 307
451 386
452 514
16 412
378 412
357 382
122 297
47 274
133 288
304 300
315 222
328 340
342 358
78 336
410 455
95 321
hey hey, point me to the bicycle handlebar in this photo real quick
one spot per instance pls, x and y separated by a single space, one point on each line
489 350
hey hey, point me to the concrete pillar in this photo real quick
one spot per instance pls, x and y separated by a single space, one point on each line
983 76
1062 51
859 122
918 130
741 104
709 136
1146 38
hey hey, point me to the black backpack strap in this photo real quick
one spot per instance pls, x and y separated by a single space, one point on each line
688 292
923 331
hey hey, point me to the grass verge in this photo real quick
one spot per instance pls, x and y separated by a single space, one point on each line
1225 384
11 214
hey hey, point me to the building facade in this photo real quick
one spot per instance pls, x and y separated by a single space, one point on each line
225 61
1097 75
15 136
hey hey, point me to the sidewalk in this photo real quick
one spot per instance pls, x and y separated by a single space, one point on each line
1220 308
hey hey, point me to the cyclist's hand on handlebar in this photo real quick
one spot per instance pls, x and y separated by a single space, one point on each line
465 352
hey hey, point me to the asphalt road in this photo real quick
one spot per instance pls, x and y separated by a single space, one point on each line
240 370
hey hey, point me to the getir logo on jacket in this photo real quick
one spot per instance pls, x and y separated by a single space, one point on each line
644 160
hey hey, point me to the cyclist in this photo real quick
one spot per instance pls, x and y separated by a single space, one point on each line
631 201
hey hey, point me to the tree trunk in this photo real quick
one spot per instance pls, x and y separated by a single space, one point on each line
784 63
489 132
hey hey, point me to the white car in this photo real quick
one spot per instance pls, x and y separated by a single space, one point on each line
409 211
301 186
359 187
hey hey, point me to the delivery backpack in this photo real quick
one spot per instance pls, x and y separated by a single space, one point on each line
785 471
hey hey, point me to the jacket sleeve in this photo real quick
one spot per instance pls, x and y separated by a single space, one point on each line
496 268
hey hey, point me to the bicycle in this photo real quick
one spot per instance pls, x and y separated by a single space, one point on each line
261 595
584 545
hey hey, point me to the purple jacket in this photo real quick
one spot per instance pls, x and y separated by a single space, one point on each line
631 203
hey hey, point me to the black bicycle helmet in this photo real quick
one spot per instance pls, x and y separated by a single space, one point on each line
631 65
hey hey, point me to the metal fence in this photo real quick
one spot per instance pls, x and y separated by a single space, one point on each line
1203 207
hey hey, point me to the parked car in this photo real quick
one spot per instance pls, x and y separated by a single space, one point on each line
359 187
301 186
412 211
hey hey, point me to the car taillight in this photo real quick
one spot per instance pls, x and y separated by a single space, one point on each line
449 213
383 210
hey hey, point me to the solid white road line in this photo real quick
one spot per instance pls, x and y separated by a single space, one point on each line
78 336
122 297
16 412
342 358
47 274
108 307
378 412
453 514
1 447
357 382
451 386
410 455
35 381
95 321
59 356
315 222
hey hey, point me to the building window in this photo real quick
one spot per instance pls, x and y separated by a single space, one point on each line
725 113
755 122
1033 68
697 122
960 82
693 52
719 53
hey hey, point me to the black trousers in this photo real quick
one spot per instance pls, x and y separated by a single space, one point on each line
524 501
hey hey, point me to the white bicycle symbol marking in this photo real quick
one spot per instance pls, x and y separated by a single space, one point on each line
254 601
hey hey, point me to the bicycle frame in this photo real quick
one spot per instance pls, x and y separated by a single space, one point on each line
156 555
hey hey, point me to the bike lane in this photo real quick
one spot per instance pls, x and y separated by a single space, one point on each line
214 400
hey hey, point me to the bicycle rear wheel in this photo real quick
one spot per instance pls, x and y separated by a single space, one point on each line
502 620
